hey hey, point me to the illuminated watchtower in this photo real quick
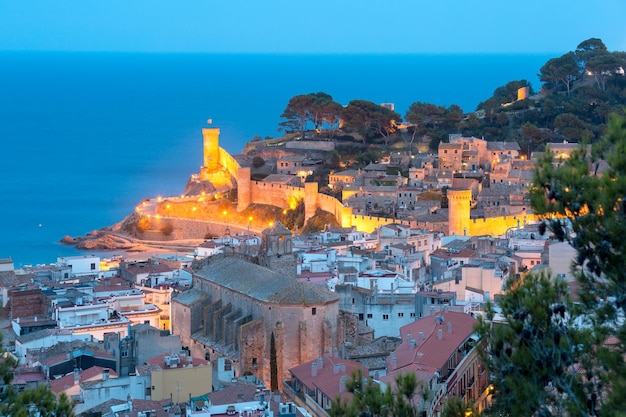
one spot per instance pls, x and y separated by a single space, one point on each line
459 211
211 137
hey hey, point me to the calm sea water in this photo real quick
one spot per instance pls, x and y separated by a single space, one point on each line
85 137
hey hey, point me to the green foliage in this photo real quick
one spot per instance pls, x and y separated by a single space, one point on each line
583 82
317 109
368 399
320 221
258 162
273 365
293 218
456 407
550 356
535 351
365 117
167 229
334 159
29 402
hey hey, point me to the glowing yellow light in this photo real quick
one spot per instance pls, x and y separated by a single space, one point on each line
284 211
156 216
271 224
250 218
159 199
224 212
194 208
201 199
168 206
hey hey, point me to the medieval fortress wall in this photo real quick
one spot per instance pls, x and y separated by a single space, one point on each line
216 159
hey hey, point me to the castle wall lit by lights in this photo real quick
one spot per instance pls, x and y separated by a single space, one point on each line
221 168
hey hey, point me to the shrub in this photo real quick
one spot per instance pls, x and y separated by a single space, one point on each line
258 162
167 229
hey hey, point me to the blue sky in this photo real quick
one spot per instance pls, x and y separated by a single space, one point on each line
322 26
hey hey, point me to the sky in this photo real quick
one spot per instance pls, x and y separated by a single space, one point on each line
321 26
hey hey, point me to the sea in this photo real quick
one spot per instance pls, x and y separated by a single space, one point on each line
86 136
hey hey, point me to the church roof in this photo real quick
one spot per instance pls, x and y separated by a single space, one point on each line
190 297
277 229
263 284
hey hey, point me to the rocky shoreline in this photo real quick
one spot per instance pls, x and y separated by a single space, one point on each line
100 240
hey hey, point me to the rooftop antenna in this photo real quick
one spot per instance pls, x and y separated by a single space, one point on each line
209 121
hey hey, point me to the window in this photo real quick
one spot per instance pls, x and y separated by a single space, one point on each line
352 300
400 314
313 311
412 314
360 316
254 362
369 315
93 266
385 316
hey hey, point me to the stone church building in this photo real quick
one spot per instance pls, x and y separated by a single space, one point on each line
238 303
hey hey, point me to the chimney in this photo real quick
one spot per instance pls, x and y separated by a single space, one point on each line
393 361
326 353
314 368
76 376
320 362
439 334
342 383
449 327
421 335
335 353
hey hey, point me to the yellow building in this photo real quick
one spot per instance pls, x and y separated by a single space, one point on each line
177 376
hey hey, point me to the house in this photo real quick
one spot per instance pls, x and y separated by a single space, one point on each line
146 272
85 265
315 384
178 376
70 383
443 351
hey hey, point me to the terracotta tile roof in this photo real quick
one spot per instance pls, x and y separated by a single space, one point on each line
233 394
423 373
328 375
90 374
148 269
21 378
432 351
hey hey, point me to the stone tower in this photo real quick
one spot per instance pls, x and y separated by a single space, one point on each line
211 137
310 200
459 211
244 193
276 252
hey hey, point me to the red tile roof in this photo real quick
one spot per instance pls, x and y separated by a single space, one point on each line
328 375
431 351
94 373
